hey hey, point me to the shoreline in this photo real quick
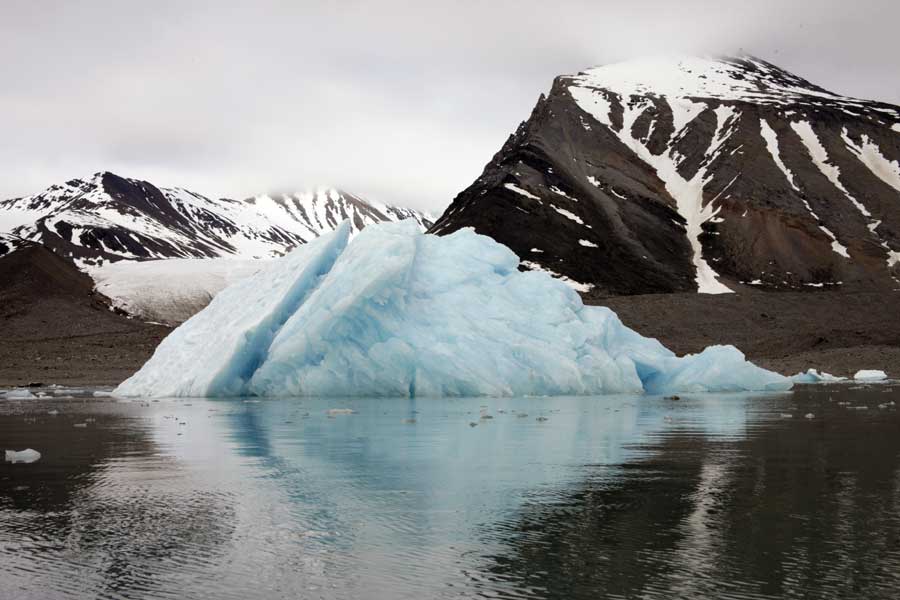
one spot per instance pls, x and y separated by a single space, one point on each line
787 332
55 342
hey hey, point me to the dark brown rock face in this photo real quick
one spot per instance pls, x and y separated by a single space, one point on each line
667 175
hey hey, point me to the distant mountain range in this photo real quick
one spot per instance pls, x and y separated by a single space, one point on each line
657 175
108 218
689 174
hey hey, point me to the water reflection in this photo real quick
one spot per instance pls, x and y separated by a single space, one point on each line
796 508
709 496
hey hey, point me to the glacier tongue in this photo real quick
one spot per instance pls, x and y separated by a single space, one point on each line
400 313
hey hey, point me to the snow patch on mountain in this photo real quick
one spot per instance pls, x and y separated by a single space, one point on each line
514 188
688 194
870 155
820 157
771 139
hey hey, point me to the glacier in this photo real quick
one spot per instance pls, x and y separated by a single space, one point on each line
397 312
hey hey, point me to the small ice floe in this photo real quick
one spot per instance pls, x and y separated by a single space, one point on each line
102 394
22 456
859 408
19 394
409 421
870 375
814 376
79 424
53 412
787 416
332 412
809 416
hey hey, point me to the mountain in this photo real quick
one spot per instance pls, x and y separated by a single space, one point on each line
9 242
110 218
695 174
57 328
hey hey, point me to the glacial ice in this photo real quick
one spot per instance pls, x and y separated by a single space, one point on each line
22 456
814 376
18 394
870 375
400 313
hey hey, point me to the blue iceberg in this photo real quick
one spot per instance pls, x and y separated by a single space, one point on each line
401 313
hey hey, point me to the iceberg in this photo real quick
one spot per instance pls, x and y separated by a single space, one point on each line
401 313
870 375
814 376
18 394
22 456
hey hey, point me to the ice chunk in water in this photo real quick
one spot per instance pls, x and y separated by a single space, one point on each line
870 375
18 394
814 376
400 313
22 456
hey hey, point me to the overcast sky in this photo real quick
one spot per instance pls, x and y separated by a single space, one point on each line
399 101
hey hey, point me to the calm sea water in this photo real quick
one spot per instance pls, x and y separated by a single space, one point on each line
709 496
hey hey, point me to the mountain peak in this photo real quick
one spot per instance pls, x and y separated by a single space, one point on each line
695 173
742 78
110 217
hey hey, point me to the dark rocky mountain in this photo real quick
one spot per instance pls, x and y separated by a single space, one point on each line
110 218
665 175
57 329
9 242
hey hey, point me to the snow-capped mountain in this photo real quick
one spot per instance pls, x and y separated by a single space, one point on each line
679 174
110 218
8 243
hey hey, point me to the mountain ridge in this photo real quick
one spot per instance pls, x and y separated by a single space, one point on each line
110 218
686 174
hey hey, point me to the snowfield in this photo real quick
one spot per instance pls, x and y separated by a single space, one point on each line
400 313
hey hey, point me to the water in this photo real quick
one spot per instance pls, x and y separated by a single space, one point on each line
614 497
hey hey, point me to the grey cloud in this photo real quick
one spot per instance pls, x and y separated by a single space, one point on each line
401 101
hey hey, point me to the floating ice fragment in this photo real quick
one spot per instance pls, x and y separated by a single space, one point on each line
814 376
341 411
400 313
22 456
870 375
18 394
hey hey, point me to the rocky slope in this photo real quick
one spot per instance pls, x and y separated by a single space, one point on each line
686 174
56 329
110 218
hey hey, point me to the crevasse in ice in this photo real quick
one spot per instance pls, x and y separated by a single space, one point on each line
400 313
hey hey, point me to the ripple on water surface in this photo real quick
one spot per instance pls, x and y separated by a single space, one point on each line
731 496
